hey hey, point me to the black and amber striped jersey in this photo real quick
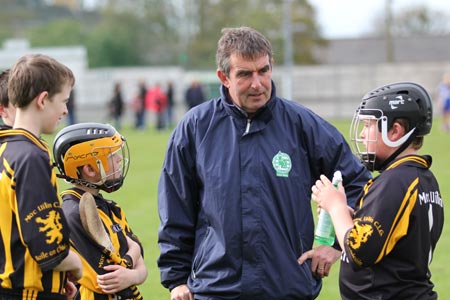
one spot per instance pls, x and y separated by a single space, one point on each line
397 224
92 255
33 230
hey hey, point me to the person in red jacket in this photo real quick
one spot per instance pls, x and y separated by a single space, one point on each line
156 102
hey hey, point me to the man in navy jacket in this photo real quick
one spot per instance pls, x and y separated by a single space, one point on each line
234 193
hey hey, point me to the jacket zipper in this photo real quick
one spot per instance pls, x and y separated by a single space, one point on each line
247 128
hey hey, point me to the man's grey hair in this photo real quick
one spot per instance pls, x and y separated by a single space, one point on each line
244 42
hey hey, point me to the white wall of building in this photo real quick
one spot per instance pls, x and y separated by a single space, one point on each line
333 91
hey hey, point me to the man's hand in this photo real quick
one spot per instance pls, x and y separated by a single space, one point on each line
322 258
181 292
70 290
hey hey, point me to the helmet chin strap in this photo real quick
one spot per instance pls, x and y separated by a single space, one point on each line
112 185
78 181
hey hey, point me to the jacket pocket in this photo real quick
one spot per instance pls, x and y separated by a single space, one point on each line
199 255
305 268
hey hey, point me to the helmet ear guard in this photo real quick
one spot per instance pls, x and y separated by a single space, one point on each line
384 134
93 144
386 104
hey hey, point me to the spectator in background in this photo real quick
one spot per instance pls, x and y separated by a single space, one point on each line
194 94
71 109
156 102
170 103
116 105
7 110
138 105
444 101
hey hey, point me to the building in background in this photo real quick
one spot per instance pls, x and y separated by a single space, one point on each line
332 89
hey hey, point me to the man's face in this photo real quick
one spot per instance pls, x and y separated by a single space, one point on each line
249 82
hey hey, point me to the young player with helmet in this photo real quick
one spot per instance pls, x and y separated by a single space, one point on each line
94 157
389 241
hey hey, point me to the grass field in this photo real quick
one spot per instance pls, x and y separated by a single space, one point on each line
138 197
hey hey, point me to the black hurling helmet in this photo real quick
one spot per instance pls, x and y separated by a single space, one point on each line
91 144
402 100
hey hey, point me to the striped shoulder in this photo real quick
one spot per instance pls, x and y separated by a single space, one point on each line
73 192
21 134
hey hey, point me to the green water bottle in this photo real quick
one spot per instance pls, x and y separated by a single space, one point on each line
324 234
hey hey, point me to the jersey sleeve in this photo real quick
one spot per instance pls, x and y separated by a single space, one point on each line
382 220
42 222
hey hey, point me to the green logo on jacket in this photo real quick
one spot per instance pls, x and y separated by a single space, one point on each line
282 164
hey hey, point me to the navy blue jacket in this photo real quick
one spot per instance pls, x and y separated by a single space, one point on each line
234 198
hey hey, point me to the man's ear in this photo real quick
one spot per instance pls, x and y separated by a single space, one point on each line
223 78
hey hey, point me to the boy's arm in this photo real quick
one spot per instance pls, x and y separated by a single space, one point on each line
72 264
134 251
141 271
119 278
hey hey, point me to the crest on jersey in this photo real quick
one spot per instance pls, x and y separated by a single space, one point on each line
116 227
359 235
52 226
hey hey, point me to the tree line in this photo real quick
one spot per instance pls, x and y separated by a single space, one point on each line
176 32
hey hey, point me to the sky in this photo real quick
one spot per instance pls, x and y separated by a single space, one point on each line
353 18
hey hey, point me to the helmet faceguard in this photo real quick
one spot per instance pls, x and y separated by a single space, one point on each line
361 145
385 105
97 145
